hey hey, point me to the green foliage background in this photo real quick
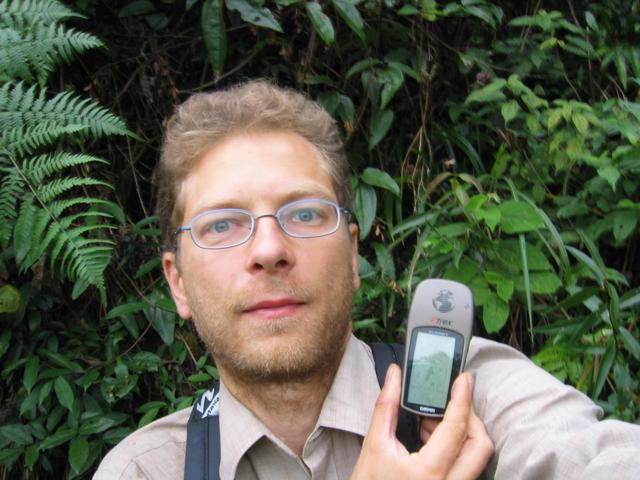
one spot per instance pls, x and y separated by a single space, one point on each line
491 142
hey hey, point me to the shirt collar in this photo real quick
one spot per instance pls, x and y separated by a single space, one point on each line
351 399
348 406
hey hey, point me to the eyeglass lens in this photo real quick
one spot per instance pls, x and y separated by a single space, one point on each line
229 227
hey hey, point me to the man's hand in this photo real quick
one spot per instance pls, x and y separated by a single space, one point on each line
458 447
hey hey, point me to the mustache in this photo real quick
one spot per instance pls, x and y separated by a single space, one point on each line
271 288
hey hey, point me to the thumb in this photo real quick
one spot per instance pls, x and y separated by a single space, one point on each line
385 413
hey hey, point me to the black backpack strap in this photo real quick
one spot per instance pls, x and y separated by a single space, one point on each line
408 428
202 459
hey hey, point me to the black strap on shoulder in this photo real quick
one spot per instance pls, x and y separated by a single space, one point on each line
202 460
385 354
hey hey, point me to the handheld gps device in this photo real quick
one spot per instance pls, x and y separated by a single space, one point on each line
438 335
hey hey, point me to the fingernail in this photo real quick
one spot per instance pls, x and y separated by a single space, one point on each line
471 379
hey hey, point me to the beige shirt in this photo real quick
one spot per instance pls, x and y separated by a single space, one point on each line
541 428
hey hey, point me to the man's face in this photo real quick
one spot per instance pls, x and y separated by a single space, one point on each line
275 308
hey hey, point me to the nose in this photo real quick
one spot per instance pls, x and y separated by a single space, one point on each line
269 248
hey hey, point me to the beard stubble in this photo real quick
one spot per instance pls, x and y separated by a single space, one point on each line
319 332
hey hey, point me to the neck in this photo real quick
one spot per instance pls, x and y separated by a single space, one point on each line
288 409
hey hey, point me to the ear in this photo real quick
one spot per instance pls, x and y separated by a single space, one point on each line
353 235
174 279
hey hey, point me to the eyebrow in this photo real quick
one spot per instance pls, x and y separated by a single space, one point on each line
314 191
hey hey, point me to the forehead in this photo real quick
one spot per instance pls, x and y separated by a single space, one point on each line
256 170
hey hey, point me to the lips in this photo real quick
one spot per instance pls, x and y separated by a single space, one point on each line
274 308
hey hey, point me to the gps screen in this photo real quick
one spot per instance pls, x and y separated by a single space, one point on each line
431 367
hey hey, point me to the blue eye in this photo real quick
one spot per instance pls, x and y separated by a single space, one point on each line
305 215
221 226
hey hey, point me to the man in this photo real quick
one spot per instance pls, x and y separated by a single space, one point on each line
253 202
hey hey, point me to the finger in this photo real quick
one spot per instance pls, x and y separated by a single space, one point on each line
476 451
448 437
427 426
385 413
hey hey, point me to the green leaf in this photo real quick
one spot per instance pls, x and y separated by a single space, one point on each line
509 110
591 21
624 223
31 373
380 123
162 322
149 416
321 22
544 283
589 263
580 122
385 261
250 13
9 299
199 378
9 455
29 402
125 309
16 433
63 435
392 79
5 341
378 178
490 215
488 93
365 206
135 8
145 362
495 313
214 33
505 289
362 65
64 392
407 10
350 14
148 266
61 360
621 67
98 425
631 343
31 456
606 363
518 217
78 453
611 174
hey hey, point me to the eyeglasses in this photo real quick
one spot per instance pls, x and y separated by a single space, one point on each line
230 227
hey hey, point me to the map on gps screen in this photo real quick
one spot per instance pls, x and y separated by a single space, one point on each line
431 370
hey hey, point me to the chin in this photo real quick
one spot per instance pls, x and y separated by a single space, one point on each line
282 356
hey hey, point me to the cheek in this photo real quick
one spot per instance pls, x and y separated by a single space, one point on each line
203 270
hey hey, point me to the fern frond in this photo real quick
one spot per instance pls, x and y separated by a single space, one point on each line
18 15
12 64
21 108
35 170
11 187
22 237
42 223
80 257
43 209
50 191
75 250
41 49
20 142
57 208
41 166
